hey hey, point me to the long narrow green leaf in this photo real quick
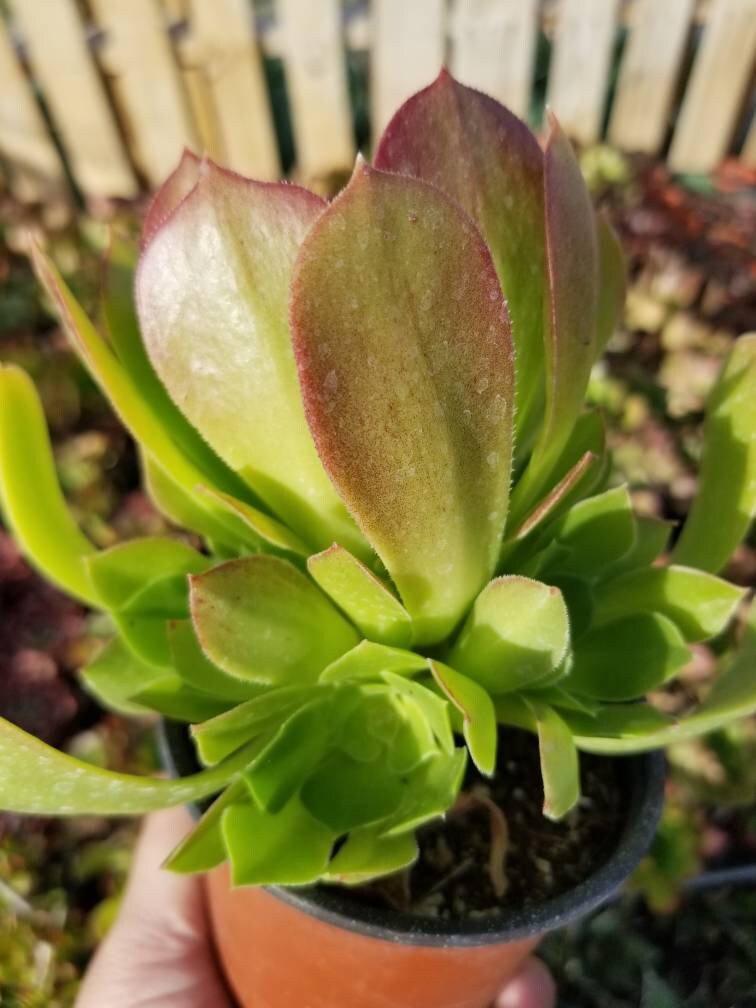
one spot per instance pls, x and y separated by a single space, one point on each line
32 500
559 761
37 779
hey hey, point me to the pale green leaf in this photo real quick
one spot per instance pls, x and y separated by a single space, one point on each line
477 709
559 761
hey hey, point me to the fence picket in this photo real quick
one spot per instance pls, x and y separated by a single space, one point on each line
408 51
583 45
59 57
649 73
317 84
34 169
494 48
137 53
223 70
715 91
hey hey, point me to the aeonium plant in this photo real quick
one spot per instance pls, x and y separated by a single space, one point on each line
371 413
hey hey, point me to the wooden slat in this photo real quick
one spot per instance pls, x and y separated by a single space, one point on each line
34 169
223 68
716 88
138 55
649 73
408 51
61 63
583 44
317 84
494 48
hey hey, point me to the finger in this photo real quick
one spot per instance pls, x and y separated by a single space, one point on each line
533 987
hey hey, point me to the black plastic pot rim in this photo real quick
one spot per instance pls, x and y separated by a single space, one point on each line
644 777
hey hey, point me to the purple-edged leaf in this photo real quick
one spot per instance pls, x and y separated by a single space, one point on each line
260 619
559 496
212 296
612 282
489 162
406 364
572 305
367 601
725 503
176 188
477 710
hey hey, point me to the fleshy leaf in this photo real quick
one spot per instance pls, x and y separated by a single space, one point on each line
173 191
369 603
488 161
346 794
40 780
406 365
477 709
700 604
260 847
195 669
516 634
33 504
724 506
259 618
224 734
204 848
367 855
430 793
274 532
612 281
732 696
559 495
598 531
143 620
369 660
212 296
122 572
116 675
624 659
173 699
651 538
559 761
572 305
435 709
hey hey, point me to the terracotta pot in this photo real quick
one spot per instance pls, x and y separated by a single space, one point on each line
321 947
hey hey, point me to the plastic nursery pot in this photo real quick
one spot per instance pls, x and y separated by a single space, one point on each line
321 947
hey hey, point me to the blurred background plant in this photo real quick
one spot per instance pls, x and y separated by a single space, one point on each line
692 291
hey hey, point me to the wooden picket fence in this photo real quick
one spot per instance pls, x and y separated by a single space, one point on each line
102 96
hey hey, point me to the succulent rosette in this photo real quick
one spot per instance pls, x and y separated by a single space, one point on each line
371 413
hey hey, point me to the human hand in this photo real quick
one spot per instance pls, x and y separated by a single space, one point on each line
159 952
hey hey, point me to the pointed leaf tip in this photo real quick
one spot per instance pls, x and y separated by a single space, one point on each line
173 191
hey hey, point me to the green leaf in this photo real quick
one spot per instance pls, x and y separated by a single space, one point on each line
204 847
578 598
598 532
346 793
560 768
143 620
725 503
369 660
122 572
651 538
406 365
40 780
369 604
430 792
434 709
616 721
572 303
116 675
563 493
264 527
367 855
262 849
195 669
700 604
212 296
477 709
286 762
517 633
173 699
33 504
626 658
488 161
612 281
259 618
263 714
